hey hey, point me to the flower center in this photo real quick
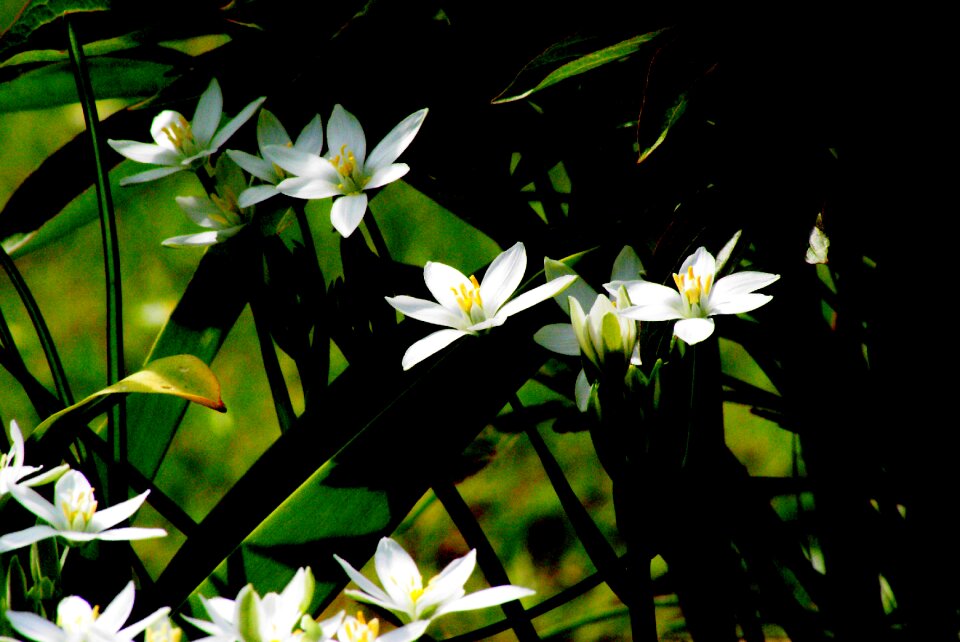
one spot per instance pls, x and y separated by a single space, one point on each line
693 286
229 205
163 632
360 631
75 616
468 298
180 135
78 507
346 165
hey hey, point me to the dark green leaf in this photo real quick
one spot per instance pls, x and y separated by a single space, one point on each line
37 13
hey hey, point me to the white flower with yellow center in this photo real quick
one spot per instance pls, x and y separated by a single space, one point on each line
405 595
357 629
346 170
180 144
271 132
77 621
467 306
220 213
74 515
698 296
12 469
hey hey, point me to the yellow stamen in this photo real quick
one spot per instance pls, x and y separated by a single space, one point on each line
468 297
179 133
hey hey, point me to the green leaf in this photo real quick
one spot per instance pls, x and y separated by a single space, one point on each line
93 49
581 65
37 13
182 376
579 289
54 85
673 115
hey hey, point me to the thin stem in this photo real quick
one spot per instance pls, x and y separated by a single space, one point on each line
315 369
116 418
40 326
271 365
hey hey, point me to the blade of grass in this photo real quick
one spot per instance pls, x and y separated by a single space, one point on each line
116 419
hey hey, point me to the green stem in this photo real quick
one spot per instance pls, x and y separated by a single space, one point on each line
116 419
315 369
40 326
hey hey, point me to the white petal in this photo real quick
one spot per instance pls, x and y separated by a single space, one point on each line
734 285
254 165
724 255
138 627
444 282
150 175
737 305
693 330
202 211
308 188
407 633
369 588
346 213
36 504
129 533
535 296
200 239
270 131
397 571
118 610
310 139
502 278
256 194
429 345
301 163
162 121
236 123
344 134
206 118
651 301
145 152
399 138
483 599
448 585
559 338
16 445
35 627
388 174
27 536
104 519
424 310
702 262
43 478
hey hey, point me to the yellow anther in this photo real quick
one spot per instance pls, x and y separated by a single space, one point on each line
179 133
96 612
467 297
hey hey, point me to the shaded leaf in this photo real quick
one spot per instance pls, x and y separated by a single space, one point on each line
37 13
53 85
673 115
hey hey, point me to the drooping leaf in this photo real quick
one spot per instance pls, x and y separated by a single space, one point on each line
93 49
183 376
53 85
576 67
37 13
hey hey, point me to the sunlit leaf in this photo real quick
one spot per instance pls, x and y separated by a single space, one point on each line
581 65
182 376
90 50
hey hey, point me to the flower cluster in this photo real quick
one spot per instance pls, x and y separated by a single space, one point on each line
295 168
73 514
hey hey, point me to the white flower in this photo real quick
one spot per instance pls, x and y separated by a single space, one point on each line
12 469
603 335
466 306
220 213
181 145
272 618
271 132
346 170
357 629
404 594
77 621
699 295
75 516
